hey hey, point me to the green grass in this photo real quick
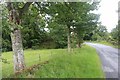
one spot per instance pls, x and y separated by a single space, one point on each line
81 63
107 43
31 58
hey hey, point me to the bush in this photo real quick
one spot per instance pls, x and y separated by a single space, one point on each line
48 45
35 47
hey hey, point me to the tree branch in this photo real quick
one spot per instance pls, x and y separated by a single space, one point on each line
24 8
9 6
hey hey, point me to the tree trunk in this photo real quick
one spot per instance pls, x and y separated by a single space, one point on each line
68 35
16 41
18 50
15 14
78 45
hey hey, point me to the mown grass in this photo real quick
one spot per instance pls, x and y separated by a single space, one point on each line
80 63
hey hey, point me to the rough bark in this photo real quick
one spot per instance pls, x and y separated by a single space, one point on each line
18 55
14 18
68 36
79 44
16 41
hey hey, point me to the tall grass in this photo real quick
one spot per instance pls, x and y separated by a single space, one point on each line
80 63
31 57
107 43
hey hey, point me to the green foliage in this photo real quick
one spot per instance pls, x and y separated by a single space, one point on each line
96 37
115 33
102 36
57 17
98 34
102 31
74 16
58 34
6 39
33 31
35 47
115 36
48 45
46 25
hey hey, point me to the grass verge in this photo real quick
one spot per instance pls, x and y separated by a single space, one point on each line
107 43
31 57
81 63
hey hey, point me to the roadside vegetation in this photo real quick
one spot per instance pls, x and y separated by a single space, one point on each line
106 43
45 39
31 57
82 63
102 36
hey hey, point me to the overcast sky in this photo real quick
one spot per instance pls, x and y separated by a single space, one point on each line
109 15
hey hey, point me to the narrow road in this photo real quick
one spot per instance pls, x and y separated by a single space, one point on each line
109 59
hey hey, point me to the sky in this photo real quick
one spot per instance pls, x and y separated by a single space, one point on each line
108 13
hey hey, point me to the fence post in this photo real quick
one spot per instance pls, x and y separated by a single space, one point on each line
39 58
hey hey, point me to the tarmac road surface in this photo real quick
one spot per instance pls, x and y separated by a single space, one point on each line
109 59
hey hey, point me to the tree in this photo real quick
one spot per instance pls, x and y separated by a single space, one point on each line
85 28
58 34
6 40
33 28
61 16
102 32
99 33
74 16
114 33
15 18
85 21
58 13
69 16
